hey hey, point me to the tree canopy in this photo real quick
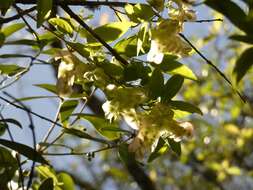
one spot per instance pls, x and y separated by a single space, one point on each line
150 95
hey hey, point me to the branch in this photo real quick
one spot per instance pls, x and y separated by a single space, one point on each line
31 112
78 3
97 37
17 16
213 66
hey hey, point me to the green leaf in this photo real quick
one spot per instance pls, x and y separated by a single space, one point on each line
10 70
13 121
25 150
243 64
185 106
8 166
66 180
9 30
5 5
125 156
3 127
242 38
101 125
80 48
46 172
23 42
160 149
109 32
83 135
47 184
175 146
6 56
2 39
33 98
48 87
135 71
67 109
172 87
233 12
171 66
139 12
61 25
44 10
128 46
156 84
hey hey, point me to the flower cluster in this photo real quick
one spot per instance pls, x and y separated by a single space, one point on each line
123 104
71 70
165 37
159 121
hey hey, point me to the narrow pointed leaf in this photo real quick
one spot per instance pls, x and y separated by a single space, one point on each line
25 150
243 64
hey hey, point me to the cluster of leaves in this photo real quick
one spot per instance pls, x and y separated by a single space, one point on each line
243 21
99 58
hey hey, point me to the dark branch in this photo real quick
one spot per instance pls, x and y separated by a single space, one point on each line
97 37
78 3
213 66
17 16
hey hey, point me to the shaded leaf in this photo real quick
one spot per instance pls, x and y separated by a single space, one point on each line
101 124
171 66
172 87
175 146
47 184
125 156
33 98
139 12
3 127
48 87
25 150
128 46
43 11
2 39
5 5
46 172
242 38
8 166
185 106
10 69
233 12
109 32
243 64
82 134
13 121
135 71
160 149
156 84
67 109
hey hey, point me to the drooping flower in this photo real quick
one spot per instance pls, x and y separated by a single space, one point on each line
165 39
159 121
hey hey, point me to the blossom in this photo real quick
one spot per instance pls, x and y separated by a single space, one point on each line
158 122
165 39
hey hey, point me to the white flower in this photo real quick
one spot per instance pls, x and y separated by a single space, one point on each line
155 55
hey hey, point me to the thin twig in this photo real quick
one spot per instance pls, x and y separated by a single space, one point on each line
79 3
31 126
21 176
97 37
29 111
53 124
206 20
17 16
213 66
